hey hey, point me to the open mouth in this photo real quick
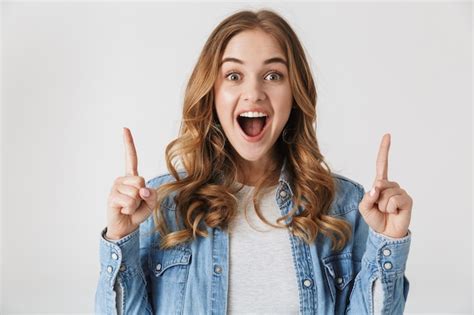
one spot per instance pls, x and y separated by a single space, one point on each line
252 126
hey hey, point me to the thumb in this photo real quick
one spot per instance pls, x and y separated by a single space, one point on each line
147 205
149 196
368 201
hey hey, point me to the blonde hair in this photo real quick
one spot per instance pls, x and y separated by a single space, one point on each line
206 193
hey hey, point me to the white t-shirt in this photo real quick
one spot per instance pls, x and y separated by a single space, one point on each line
262 278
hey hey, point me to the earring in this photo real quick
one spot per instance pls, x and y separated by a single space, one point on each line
284 136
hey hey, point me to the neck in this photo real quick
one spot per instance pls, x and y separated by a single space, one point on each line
251 172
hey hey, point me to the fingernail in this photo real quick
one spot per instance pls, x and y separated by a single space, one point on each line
145 193
372 192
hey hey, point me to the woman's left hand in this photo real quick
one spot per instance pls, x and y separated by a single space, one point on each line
388 210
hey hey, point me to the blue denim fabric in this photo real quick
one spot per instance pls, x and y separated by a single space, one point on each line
192 278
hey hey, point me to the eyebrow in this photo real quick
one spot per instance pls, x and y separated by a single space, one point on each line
266 62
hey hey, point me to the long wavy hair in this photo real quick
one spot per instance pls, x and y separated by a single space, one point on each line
205 193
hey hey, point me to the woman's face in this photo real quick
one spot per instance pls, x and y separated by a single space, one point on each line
253 97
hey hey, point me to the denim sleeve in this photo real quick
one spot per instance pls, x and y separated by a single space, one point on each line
383 263
122 287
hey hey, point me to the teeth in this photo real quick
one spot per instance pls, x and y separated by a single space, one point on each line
253 114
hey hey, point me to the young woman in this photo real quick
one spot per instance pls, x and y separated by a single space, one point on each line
250 219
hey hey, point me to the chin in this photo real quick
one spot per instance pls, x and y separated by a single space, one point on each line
252 155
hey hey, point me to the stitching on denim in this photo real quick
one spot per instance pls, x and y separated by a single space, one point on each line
371 295
145 296
185 284
298 277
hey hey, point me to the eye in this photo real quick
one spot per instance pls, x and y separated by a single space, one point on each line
278 75
274 76
232 75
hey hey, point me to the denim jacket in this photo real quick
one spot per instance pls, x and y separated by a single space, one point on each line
136 277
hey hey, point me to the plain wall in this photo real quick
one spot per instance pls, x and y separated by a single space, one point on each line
75 73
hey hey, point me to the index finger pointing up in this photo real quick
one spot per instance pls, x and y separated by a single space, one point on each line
130 153
382 158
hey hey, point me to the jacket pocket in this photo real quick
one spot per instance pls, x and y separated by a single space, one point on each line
171 264
340 271
169 271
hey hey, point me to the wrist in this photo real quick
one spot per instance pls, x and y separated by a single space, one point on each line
111 236
397 235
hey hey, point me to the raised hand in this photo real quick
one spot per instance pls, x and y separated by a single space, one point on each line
387 207
130 202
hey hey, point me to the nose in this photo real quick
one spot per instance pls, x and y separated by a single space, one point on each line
253 91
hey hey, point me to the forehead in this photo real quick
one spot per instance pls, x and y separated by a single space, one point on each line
253 46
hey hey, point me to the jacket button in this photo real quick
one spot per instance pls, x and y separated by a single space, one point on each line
387 252
110 269
388 265
217 269
283 193
114 256
307 283
158 267
339 280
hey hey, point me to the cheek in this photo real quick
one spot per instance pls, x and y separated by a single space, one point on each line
282 100
286 95
226 96
225 101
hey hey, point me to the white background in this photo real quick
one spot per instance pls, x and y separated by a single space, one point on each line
75 73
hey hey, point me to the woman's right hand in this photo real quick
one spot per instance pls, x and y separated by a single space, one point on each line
128 205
